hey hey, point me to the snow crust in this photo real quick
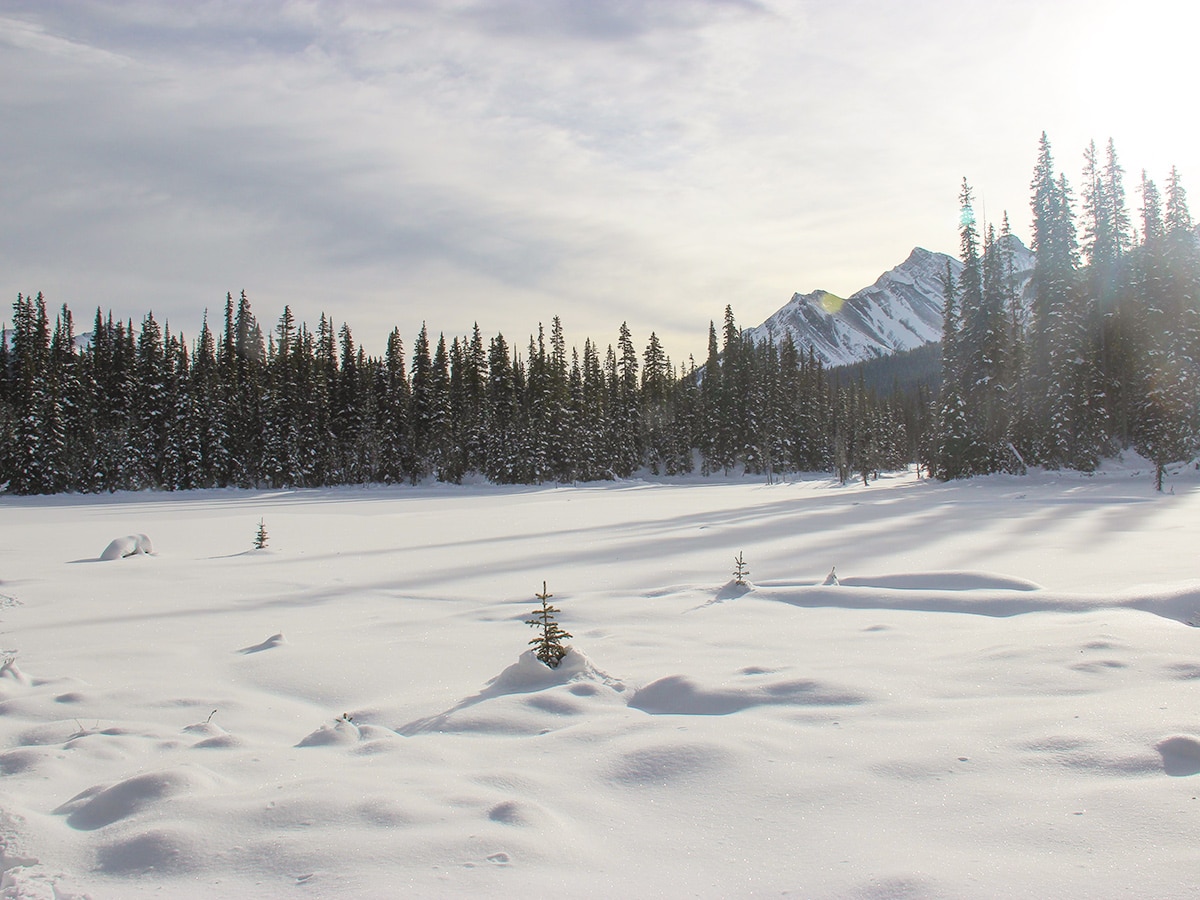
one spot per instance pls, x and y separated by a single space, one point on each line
998 696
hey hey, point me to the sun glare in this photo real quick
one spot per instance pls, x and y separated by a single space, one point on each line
1139 92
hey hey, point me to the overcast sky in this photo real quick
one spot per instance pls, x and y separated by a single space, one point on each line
503 162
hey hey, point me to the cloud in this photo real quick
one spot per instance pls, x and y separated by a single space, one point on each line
503 161
605 21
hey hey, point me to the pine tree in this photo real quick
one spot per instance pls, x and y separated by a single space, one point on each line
37 422
1100 247
213 428
711 402
596 462
392 409
950 455
280 466
656 435
1054 265
625 414
740 569
242 371
503 415
181 465
982 346
1167 421
561 423
1114 178
1066 424
473 417
550 649
538 407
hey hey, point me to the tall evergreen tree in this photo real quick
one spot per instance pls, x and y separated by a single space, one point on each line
950 456
1167 427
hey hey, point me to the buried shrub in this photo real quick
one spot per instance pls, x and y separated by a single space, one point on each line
260 536
550 649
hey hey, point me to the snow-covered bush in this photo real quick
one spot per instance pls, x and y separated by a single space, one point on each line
130 545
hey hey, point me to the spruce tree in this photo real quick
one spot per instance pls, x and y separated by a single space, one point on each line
550 649
982 346
1167 419
503 415
740 569
1114 178
951 451
711 403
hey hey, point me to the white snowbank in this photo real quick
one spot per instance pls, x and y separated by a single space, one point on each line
130 545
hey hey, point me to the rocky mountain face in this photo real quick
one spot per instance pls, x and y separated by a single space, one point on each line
902 310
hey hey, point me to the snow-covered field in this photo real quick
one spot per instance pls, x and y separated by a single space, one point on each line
1000 698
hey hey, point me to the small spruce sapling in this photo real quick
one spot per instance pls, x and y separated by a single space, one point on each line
550 649
740 571
260 537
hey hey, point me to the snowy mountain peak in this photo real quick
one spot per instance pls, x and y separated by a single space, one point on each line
902 310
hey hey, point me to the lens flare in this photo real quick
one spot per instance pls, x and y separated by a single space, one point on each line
831 303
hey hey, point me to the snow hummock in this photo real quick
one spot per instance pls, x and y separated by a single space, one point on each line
999 695
130 545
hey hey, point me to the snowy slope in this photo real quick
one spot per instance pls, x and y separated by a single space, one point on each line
999 698
900 311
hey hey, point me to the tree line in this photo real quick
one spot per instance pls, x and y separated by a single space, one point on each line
1099 353
1104 352
143 408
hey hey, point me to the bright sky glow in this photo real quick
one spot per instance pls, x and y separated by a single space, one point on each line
508 161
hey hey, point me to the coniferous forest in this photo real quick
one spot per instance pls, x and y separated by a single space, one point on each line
1099 354
1104 354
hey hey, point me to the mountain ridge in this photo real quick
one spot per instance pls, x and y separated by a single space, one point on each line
901 311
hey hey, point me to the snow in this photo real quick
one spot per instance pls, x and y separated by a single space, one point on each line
997 697
130 545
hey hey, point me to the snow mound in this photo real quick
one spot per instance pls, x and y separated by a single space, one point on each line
937 581
527 698
529 674
973 593
1180 754
733 589
103 805
342 732
211 736
680 695
1180 602
160 850
130 545
21 759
